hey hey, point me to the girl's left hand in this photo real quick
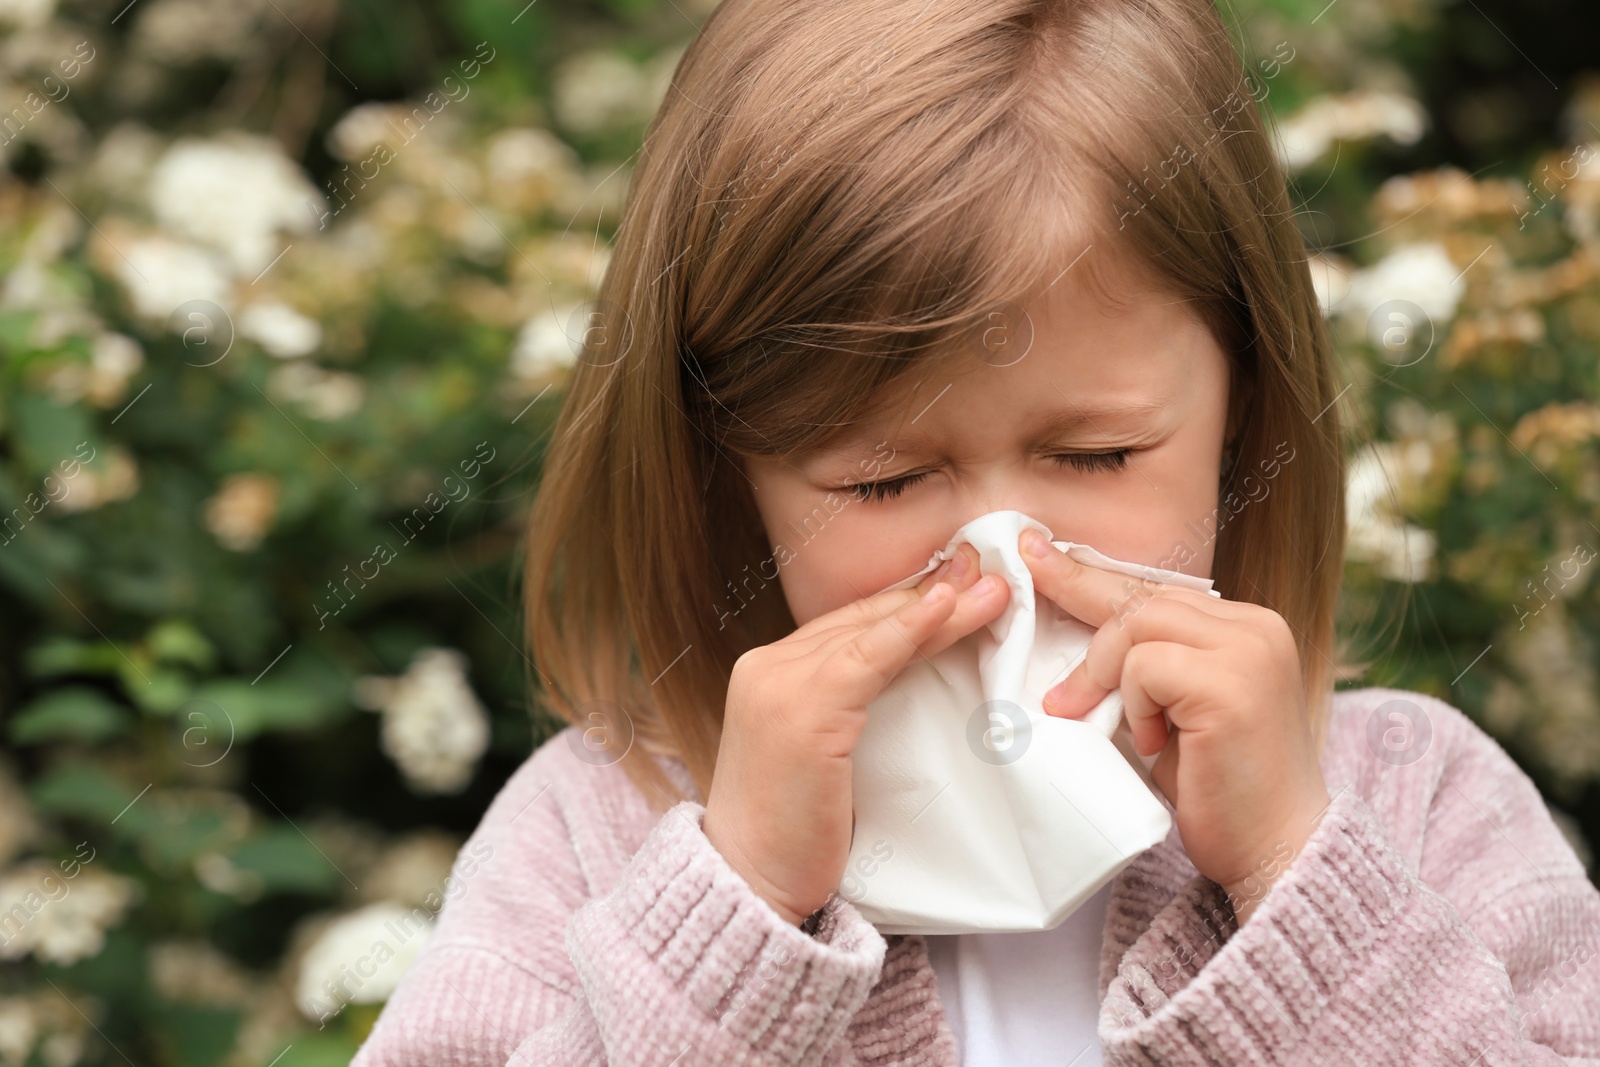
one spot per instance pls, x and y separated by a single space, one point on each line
1241 768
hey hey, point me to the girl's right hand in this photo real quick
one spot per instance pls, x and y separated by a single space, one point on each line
779 808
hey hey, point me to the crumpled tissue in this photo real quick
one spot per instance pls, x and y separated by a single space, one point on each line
975 811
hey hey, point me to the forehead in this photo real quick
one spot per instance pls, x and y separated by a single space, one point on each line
1070 361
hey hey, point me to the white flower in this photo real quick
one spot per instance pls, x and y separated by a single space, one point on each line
233 193
28 285
63 312
542 345
116 479
1311 131
362 129
1402 551
19 1030
1330 278
242 511
322 394
57 918
182 31
195 972
24 14
218 874
479 237
518 154
1423 274
434 728
19 827
44 1022
1580 217
123 158
360 957
114 358
280 329
413 870
161 273
600 89
62 1050
57 230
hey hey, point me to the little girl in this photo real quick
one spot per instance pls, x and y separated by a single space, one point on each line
888 265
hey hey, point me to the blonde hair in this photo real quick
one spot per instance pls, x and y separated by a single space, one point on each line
815 212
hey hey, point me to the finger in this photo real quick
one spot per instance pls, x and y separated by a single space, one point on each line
867 609
960 570
983 597
978 605
1154 679
1162 618
981 602
1095 595
875 655
849 619
973 609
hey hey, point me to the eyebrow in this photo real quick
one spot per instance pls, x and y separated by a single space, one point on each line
1052 425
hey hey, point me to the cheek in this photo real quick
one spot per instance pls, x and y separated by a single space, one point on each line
1183 524
802 590
1163 519
855 554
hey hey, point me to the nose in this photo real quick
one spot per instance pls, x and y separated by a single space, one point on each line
1000 488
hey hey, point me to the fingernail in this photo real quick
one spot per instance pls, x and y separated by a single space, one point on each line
958 564
1034 544
1061 702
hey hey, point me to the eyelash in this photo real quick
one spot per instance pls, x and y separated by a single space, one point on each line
1083 462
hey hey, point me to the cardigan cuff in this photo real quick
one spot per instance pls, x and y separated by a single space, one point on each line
756 977
1247 994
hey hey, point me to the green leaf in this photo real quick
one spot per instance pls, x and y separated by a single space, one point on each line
169 829
153 689
177 641
46 433
16 328
75 713
197 1035
173 831
118 974
301 692
34 553
68 655
287 861
84 791
318 1050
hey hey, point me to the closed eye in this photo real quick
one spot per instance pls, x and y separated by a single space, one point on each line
1084 462
1114 460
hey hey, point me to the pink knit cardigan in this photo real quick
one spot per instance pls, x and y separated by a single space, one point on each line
1436 916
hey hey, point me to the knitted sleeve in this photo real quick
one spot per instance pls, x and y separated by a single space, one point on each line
679 963
1481 954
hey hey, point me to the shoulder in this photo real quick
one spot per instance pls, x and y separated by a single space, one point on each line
564 806
1420 762
1377 727
1398 727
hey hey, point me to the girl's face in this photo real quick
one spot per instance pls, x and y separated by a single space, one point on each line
984 430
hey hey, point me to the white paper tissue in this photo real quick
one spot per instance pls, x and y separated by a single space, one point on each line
974 810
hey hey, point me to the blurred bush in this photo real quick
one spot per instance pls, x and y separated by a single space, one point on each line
289 290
